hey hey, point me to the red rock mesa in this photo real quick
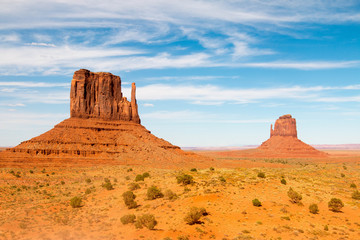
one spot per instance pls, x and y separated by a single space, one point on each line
104 127
283 141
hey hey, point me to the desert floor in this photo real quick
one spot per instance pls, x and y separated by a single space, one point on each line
35 199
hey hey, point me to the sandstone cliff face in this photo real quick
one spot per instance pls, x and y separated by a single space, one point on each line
284 126
98 95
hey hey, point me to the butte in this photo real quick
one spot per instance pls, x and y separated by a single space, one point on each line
104 127
283 143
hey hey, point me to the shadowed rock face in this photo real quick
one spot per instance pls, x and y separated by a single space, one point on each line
284 126
98 95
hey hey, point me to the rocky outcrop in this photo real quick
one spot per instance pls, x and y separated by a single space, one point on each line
103 128
98 95
284 126
283 141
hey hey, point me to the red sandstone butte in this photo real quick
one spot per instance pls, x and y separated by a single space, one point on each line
98 95
104 127
283 141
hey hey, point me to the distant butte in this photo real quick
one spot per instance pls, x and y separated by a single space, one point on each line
104 127
283 141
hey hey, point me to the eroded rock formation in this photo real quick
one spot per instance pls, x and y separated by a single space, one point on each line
103 127
98 95
284 126
283 141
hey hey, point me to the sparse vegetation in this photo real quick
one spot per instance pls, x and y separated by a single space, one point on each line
170 195
129 199
212 169
314 209
185 179
335 205
129 218
193 170
283 181
75 202
134 186
356 195
139 177
222 179
353 185
107 185
146 175
153 192
261 175
194 215
256 202
88 180
294 196
146 220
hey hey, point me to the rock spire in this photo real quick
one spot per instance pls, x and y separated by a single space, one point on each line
98 95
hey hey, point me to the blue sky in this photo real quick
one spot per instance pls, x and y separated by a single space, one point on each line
209 73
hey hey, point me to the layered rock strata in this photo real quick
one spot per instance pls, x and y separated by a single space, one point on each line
104 127
98 95
283 141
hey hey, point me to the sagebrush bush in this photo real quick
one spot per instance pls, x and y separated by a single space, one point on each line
222 179
194 215
353 185
294 196
153 192
134 186
335 204
283 181
356 195
256 202
170 195
145 175
184 179
139 177
107 185
75 202
261 175
313 208
129 218
129 199
193 170
88 180
146 220
212 169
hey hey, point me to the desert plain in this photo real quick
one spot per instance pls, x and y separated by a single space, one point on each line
35 199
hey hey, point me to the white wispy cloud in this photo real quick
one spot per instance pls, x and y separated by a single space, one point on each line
34 84
303 65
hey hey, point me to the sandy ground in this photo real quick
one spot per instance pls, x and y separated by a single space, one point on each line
35 199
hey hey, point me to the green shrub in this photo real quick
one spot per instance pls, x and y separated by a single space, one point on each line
353 185
139 177
193 170
185 179
256 202
62 182
342 175
212 169
261 175
129 199
313 208
134 186
170 195
146 174
31 171
295 197
88 180
146 220
107 185
182 237
283 181
335 204
75 202
153 192
326 228
222 179
356 195
194 215
88 191
129 218
129 170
